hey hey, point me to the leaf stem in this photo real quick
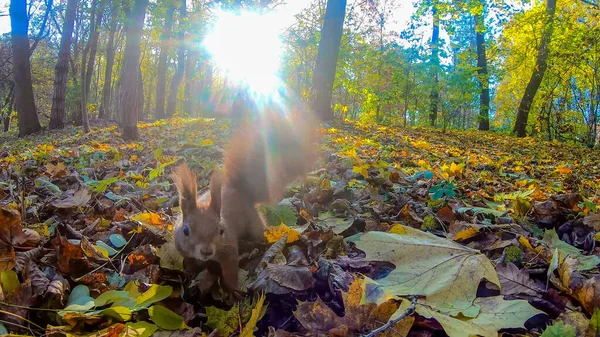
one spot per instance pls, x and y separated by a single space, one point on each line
392 322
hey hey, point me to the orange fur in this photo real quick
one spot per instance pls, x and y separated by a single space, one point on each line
259 161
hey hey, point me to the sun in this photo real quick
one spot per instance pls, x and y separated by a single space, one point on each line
247 49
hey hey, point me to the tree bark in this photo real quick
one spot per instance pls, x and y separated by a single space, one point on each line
541 65
131 66
434 97
25 101
482 74
161 81
61 70
93 41
189 83
104 110
176 82
9 101
327 55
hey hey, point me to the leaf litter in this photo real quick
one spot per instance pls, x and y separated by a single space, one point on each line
397 232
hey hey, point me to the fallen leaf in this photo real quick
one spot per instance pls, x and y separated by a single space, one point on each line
495 313
559 329
447 273
516 281
10 232
166 319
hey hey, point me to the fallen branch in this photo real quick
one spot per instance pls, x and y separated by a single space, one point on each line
393 322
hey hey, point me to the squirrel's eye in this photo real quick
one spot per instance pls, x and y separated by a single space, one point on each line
186 230
221 230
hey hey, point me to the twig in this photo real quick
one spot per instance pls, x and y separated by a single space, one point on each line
19 325
392 322
23 318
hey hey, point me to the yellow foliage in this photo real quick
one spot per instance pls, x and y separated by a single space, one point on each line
274 233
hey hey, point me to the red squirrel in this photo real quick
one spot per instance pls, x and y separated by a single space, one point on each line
260 159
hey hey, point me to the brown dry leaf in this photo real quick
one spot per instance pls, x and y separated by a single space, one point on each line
90 251
283 279
593 221
58 287
39 281
317 317
30 238
516 281
24 257
22 297
79 199
67 253
360 314
586 291
10 233
446 214
56 171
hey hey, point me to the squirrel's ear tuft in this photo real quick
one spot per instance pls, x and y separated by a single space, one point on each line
216 183
185 181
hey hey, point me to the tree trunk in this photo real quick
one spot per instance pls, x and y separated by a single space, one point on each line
327 55
176 82
434 97
94 34
61 70
28 119
9 101
482 74
538 73
187 90
131 66
161 81
104 110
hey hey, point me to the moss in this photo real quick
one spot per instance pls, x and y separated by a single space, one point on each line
429 223
514 255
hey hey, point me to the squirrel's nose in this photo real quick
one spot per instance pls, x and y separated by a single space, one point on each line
208 251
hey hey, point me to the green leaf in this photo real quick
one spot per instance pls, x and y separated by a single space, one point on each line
437 195
480 210
109 250
43 182
226 322
100 186
10 281
446 272
495 313
154 294
559 329
110 296
117 312
80 291
166 319
158 153
140 329
587 262
160 169
595 322
450 193
3 330
117 240
278 214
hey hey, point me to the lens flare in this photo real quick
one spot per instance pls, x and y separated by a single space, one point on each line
247 48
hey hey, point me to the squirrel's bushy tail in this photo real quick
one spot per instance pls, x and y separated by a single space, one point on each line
265 155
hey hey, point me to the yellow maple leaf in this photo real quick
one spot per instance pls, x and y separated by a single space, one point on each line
397 229
149 218
362 169
525 243
274 233
466 233
564 170
207 142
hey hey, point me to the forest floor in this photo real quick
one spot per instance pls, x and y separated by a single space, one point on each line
456 233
